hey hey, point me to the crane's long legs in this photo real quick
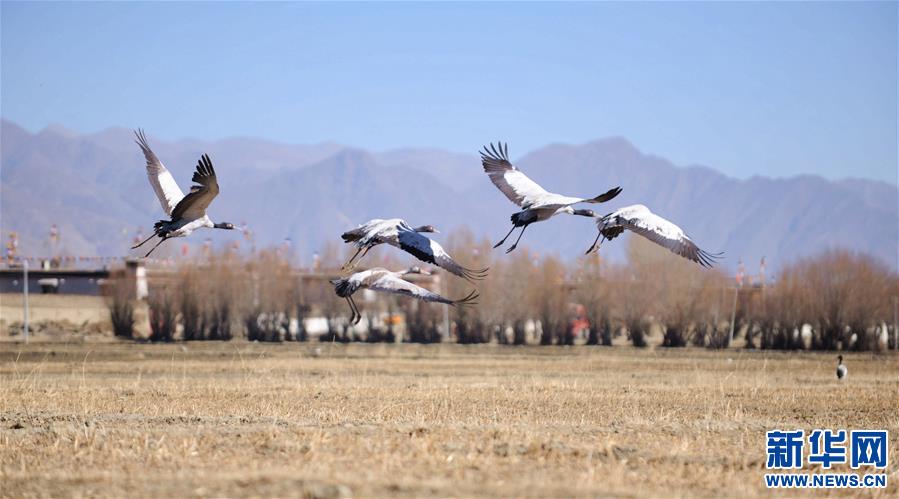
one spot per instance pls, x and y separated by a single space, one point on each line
596 246
349 263
519 239
157 245
145 241
352 309
497 245
357 316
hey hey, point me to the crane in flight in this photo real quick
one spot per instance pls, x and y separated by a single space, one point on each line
385 281
396 232
638 219
186 213
537 204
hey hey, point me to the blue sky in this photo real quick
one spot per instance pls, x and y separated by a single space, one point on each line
772 89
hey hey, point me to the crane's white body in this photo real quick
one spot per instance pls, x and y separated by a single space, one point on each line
639 216
539 214
184 228
379 231
842 371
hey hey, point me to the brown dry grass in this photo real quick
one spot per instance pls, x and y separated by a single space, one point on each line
239 419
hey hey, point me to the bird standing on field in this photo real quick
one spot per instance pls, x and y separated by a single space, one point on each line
383 280
538 204
640 220
396 232
187 213
841 369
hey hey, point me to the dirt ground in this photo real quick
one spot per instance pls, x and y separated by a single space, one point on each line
309 420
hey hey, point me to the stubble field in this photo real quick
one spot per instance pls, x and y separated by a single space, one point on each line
240 419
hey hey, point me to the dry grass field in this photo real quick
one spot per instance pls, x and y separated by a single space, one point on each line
240 419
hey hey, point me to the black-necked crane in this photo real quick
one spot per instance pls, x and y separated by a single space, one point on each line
538 204
841 369
638 219
186 213
396 232
385 281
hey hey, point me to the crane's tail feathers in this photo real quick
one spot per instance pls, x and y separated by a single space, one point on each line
607 196
352 235
341 287
469 300
162 228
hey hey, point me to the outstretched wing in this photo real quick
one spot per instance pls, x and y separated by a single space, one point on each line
161 179
430 251
523 191
391 283
194 205
517 186
556 201
667 234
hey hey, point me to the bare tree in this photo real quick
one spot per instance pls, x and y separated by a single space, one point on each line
593 293
549 300
844 297
163 314
119 295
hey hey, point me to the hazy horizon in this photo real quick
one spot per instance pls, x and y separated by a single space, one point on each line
517 154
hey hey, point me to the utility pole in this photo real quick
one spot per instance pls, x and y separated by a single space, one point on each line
25 298
733 317
718 305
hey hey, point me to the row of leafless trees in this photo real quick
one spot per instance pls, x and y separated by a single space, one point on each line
836 300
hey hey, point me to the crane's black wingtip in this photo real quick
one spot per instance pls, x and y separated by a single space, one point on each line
474 274
141 139
607 196
708 260
469 299
496 152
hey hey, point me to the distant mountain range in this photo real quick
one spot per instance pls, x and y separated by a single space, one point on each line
95 189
